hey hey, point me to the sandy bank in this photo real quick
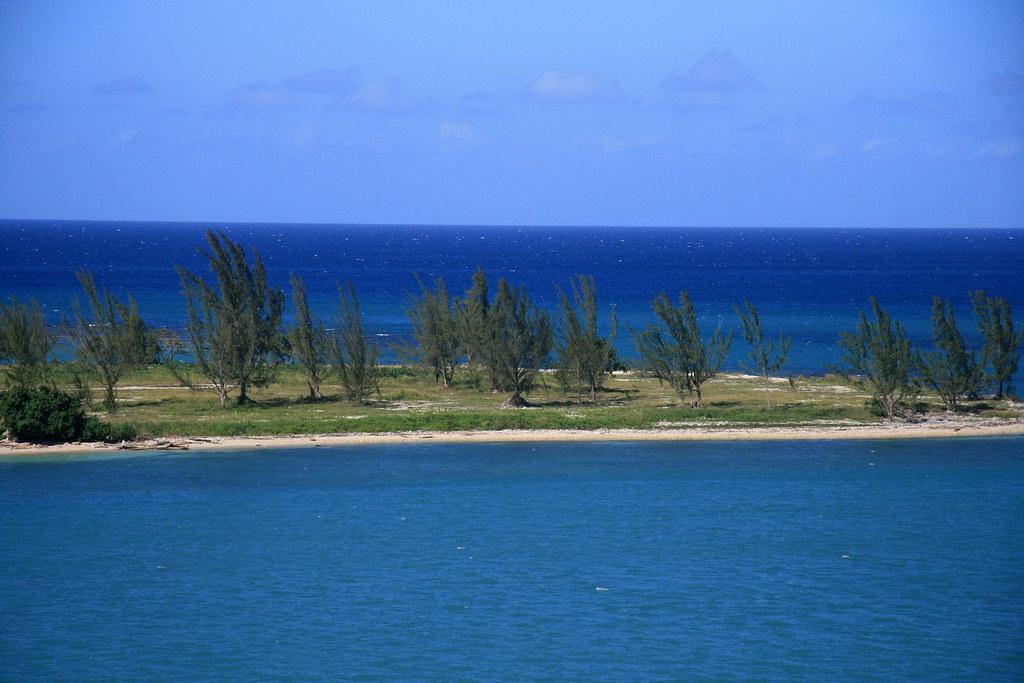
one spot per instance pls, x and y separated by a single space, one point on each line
918 430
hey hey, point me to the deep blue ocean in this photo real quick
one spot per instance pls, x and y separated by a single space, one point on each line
860 560
807 283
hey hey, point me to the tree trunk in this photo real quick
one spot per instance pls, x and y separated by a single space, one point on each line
516 400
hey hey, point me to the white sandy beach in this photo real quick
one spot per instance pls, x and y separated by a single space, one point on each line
952 428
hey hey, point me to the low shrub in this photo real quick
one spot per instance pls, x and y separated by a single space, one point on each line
45 415
94 429
41 414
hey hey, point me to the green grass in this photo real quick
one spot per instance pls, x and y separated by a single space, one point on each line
410 400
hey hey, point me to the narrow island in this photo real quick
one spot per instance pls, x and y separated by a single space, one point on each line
477 368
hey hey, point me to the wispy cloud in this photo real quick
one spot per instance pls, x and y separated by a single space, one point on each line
711 81
926 104
559 86
614 144
324 82
826 150
453 135
1000 150
258 97
386 97
126 86
875 144
330 87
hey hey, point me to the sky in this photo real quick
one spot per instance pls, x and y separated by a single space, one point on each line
808 113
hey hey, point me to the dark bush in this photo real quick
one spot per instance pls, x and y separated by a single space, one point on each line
94 429
41 414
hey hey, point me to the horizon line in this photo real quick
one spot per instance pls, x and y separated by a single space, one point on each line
506 225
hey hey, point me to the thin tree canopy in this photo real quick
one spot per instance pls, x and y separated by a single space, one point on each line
521 339
678 355
879 352
583 355
1000 353
234 323
25 343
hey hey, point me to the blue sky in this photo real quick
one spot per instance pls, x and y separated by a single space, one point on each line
712 114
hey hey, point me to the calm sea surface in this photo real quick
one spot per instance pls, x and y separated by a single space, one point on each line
808 283
640 561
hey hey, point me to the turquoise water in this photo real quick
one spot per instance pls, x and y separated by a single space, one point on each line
838 560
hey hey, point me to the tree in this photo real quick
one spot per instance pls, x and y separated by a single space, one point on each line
879 352
473 325
25 343
141 344
680 357
952 369
768 355
308 339
435 330
583 355
234 325
355 355
521 339
110 339
1000 352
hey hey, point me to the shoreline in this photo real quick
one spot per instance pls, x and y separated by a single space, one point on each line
922 430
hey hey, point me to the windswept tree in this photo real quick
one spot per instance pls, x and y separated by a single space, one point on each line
473 326
234 323
110 338
435 330
521 339
879 353
25 343
308 340
768 355
678 355
951 369
142 345
354 353
584 355
1000 352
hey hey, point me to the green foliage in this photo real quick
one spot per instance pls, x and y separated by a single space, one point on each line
584 357
355 355
952 369
1001 350
94 429
435 330
234 325
679 356
110 339
879 352
473 328
25 343
308 340
520 341
41 414
768 355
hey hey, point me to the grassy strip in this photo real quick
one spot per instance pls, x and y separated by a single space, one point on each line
410 400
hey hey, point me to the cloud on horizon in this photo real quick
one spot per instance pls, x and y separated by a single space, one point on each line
562 87
932 103
324 82
709 82
344 87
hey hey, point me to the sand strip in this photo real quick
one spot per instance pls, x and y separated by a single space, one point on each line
881 431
